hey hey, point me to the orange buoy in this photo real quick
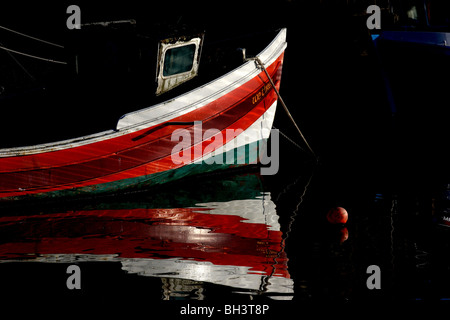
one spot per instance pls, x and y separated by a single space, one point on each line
337 215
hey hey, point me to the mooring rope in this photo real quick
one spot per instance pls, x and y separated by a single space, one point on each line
34 38
289 139
259 62
31 56
19 64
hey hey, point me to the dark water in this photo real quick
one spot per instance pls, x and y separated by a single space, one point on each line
239 238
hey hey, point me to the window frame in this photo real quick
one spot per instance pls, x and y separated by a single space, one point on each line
166 83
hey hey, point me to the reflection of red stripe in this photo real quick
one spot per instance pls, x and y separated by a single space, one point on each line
261 259
121 158
445 222
147 233
173 216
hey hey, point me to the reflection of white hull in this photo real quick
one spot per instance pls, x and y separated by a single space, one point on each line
239 277
232 276
234 243
260 210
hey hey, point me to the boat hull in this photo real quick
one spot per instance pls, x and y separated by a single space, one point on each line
412 66
141 150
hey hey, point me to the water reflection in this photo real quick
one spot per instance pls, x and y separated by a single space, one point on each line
224 232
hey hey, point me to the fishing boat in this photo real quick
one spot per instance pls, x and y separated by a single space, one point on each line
196 125
414 53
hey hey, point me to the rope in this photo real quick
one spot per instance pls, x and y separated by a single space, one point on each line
259 62
289 139
31 56
34 38
19 64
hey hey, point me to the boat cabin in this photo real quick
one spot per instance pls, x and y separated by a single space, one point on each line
433 15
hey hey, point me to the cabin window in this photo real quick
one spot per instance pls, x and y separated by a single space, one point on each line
178 62
412 13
